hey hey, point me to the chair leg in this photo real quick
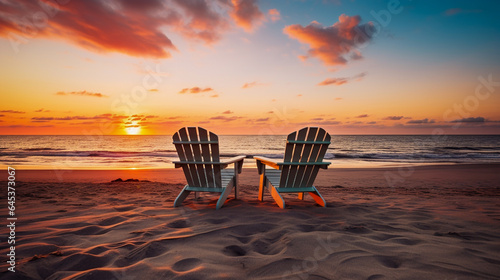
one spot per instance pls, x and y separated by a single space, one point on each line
276 195
262 184
318 198
182 195
301 195
224 195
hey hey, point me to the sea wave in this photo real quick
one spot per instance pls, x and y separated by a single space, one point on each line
421 155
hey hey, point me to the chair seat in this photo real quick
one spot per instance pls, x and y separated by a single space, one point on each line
273 176
226 174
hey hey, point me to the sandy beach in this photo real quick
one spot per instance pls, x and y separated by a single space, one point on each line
428 222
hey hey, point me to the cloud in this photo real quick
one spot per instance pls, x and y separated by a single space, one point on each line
341 81
204 22
82 93
252 84
247 14
470 120
274 14
422 121
71 118
393 118
130 27
26 126
12 112
317 119
338 98
336 44
224 118
134 28
42 111
362 116
228 112
195 90
262 120
214 95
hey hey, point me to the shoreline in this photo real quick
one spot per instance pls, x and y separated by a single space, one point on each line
249 176
431 222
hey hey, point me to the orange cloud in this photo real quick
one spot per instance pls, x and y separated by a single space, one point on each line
362 116
195 90
333 45
135 28
12 112
228 112
71 118
247 14
204 22
82 93
341 81
274 14
129 27
224 118
252 84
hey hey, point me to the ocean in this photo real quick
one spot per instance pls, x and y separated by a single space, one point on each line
123 152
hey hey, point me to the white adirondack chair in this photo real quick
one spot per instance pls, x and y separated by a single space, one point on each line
198 151
303 158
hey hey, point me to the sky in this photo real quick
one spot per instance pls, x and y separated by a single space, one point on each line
249 67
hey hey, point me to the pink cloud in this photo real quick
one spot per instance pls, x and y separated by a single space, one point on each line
274 14
341 81
336 44
247 14
204 22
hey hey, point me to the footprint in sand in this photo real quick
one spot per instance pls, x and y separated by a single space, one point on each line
388 261
234 251
186 264
181 223
125 208
112 221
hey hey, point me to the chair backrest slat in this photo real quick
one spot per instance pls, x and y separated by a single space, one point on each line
304 171
306 145
205 152
182 156
195 144
214 148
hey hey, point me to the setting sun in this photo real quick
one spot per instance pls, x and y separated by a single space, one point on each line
133 129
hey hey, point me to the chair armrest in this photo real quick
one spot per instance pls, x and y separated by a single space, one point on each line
233 159
238 163
267 161
178 164
323 165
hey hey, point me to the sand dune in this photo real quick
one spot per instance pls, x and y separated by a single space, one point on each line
422 229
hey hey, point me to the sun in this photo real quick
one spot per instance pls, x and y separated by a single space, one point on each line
133 130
